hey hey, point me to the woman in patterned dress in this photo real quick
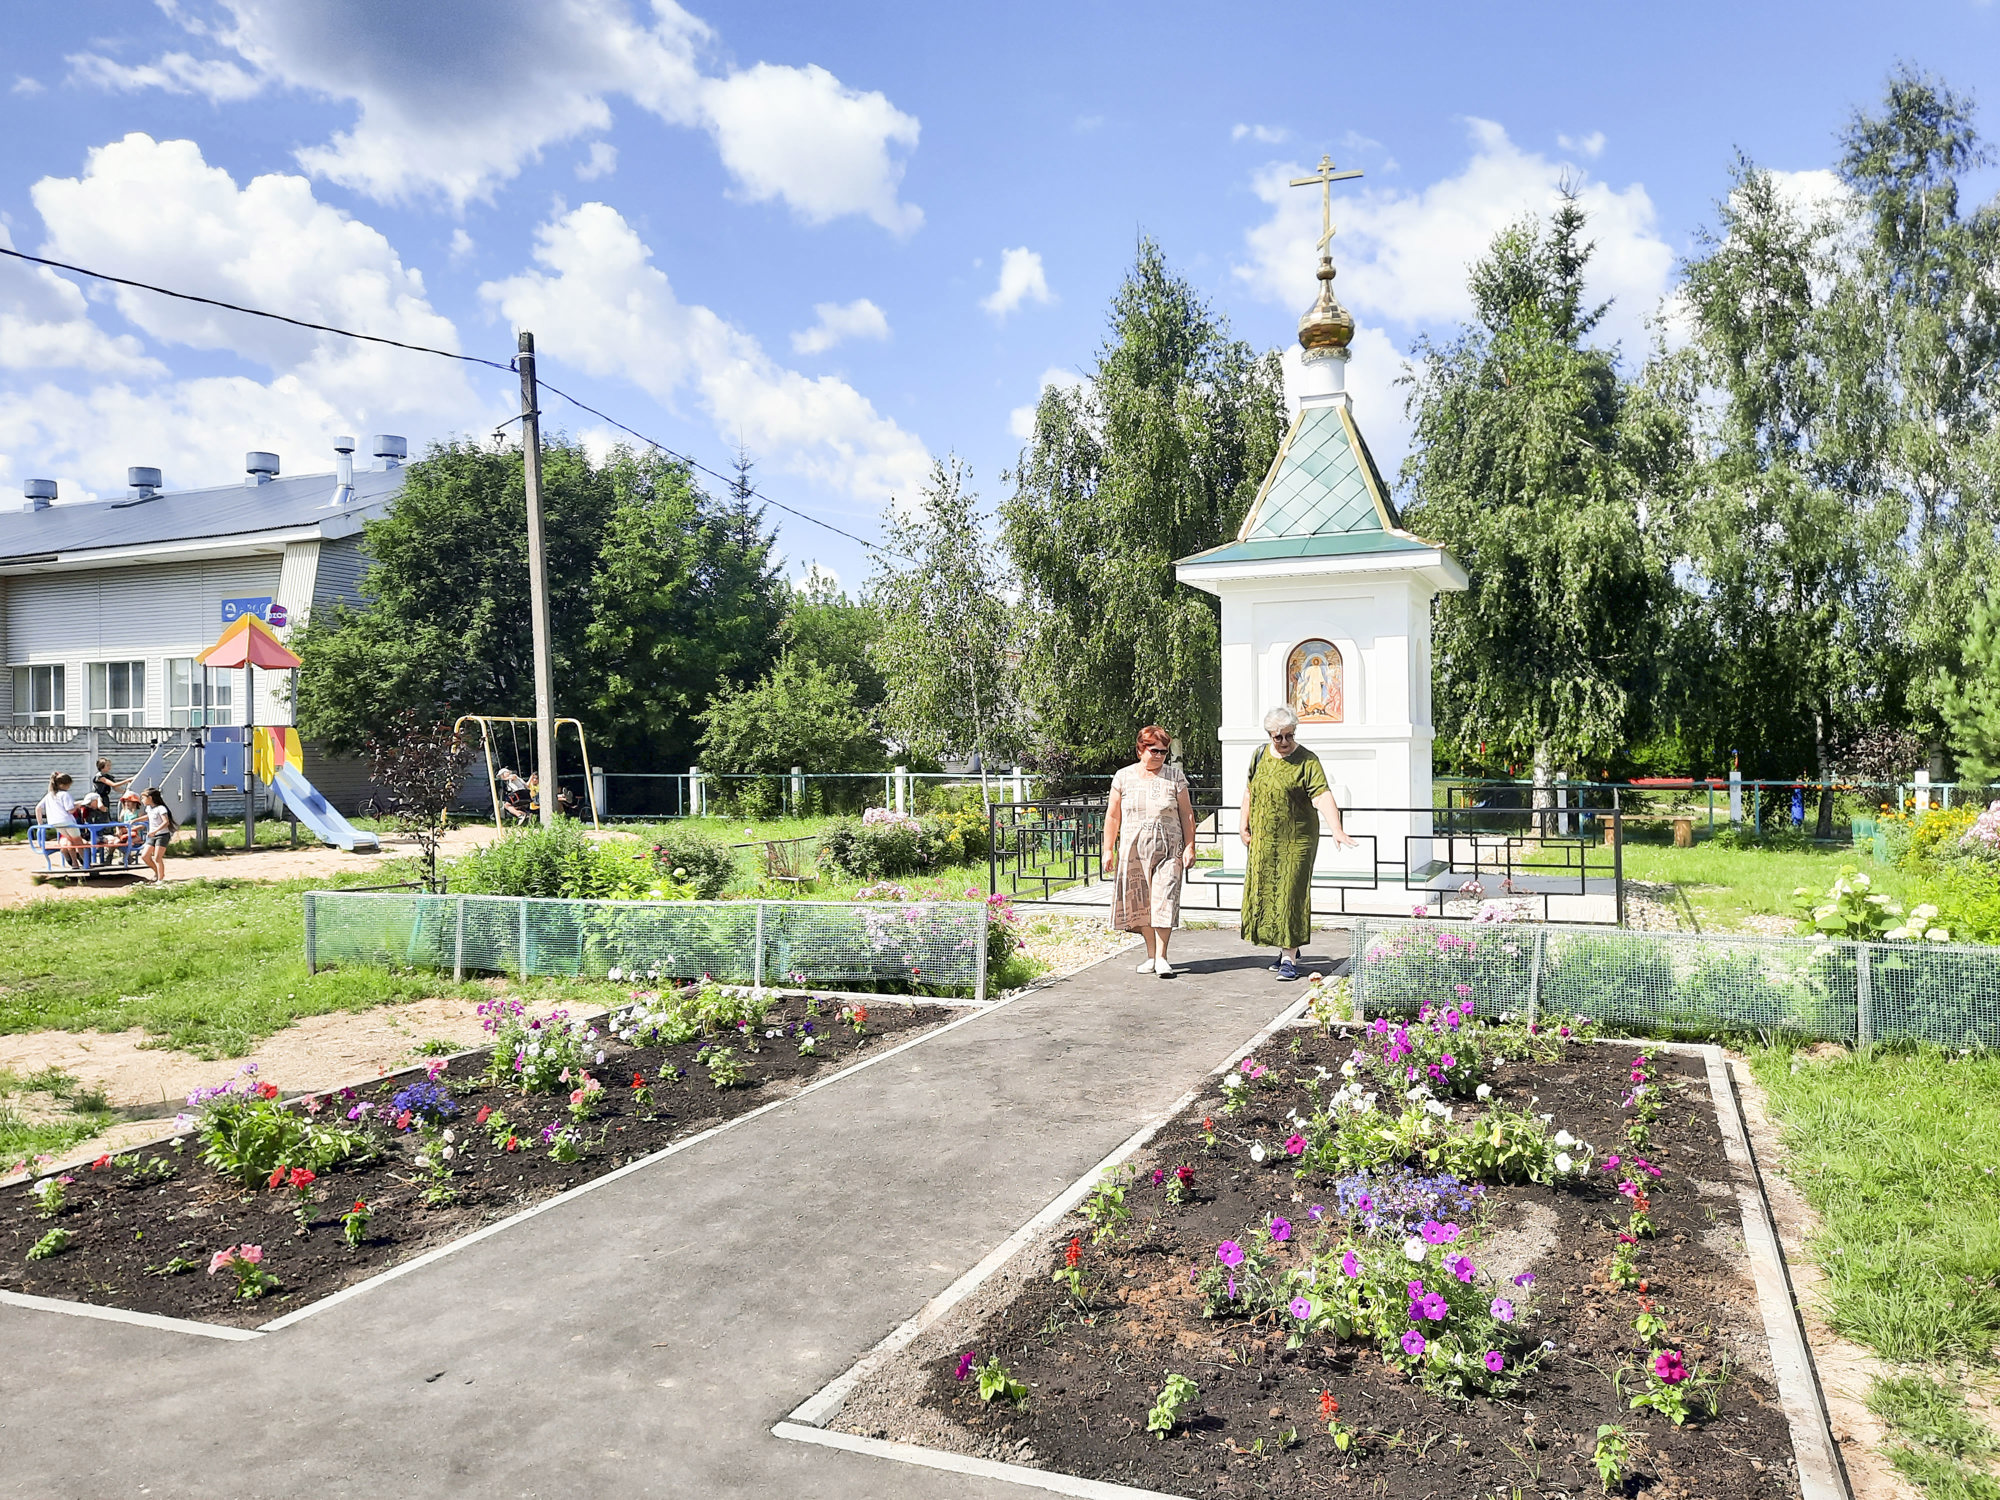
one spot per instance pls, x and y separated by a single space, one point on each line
1286 797
1148 842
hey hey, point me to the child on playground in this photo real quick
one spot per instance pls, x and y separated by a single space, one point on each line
57 810
131 834
160 826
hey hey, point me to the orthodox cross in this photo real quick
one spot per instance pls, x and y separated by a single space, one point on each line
1326 177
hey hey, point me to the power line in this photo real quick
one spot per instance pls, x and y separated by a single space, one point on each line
510 368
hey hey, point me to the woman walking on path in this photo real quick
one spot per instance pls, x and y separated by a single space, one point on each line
1149 832
1283 803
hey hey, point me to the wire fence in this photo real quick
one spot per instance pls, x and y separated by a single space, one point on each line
1686 984
931 946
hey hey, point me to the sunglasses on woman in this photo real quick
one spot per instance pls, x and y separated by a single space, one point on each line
1283 739
1154 750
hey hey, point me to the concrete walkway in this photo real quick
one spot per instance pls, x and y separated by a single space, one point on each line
642 1339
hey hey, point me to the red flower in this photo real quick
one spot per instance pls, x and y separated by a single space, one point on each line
638 1081
861 1013
1208 1125
1185 1173
101 1162
1327 1405
359 1207
403 1120
484 1111
267 1091
1626 1239
277 1177
1643 1286
1075 1252
513 1143
301 1179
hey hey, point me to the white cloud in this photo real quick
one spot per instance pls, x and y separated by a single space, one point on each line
1813 191
619 316
602 162
1403 255
268 243
859 319
1021 420
26 86
455 97
215 79
1021 280
1268 135
799 134
461 246
1591 145
45 325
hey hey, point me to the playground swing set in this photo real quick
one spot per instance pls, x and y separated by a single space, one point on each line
513 723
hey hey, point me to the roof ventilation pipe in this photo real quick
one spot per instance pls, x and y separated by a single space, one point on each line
343 470
390 451
260 468
41 494
145 483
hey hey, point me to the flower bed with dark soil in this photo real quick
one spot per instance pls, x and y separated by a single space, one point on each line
1377 1335
142 1228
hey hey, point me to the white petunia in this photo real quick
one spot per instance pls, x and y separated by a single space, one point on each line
1484 1091
1565 1140
1413 1250
1257 1151
1233 1081
1563 1163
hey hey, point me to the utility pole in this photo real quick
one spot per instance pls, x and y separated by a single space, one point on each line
538 584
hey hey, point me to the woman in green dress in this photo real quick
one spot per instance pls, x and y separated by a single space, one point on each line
1283 803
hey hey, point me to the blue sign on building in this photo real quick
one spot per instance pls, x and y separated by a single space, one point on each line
233 609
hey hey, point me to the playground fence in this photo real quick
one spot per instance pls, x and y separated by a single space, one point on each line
1686 984
816 944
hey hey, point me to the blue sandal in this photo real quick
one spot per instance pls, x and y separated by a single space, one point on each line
1287 969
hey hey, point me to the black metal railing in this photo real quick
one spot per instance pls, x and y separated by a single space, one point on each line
1518 863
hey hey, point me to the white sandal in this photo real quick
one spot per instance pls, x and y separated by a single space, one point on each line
1143 968
1164 969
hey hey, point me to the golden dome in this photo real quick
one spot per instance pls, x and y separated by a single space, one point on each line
1326 324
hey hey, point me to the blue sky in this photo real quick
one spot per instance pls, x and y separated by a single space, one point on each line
849 237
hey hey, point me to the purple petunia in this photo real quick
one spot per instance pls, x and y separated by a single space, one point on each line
1413 1343
1526 1278
1301 1308
1295 1145
1281 1230
1435 1233
966 1362
1495 1361
1503 1309
1316 1212
1434 1307
1461 1267
1230 1254
1232 1289
1670 1366
1349 1266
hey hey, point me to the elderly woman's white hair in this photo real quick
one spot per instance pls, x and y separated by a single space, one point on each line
1280 718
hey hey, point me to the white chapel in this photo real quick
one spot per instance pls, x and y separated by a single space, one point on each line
1326 606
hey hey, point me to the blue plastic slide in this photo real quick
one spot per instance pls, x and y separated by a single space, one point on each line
313 810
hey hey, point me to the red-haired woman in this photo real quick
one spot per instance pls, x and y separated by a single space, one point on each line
1148 842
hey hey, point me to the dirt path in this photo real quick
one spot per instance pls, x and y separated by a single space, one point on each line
19 865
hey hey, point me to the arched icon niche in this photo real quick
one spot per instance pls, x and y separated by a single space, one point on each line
1315 682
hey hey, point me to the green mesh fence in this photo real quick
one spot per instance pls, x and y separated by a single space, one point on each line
824 944
1947 993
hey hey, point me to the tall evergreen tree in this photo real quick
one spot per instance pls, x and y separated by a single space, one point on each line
1531 464
1156 456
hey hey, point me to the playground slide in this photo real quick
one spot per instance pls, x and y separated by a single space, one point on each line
317 813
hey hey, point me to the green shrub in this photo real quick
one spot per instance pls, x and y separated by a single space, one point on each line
887 846
564 862
709 864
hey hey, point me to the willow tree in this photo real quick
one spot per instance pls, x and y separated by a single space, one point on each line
1529 463
1156 455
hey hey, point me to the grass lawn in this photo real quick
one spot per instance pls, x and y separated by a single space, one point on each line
211 967
65 1113
1724 884
1895 1153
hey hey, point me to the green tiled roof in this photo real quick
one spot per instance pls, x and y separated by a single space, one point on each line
1324 483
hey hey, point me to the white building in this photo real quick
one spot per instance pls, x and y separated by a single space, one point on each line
104 605
1326 607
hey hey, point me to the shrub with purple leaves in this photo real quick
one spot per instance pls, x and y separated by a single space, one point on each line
425 1103
1395 1200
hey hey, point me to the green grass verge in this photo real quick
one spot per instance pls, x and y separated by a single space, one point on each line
1895 1152
210 967
1725 884
1943 1450
81 1116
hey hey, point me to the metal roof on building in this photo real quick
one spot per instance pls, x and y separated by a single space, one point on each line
225 513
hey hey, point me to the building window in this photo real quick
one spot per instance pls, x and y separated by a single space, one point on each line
38 696
117 694
1313 683
198 695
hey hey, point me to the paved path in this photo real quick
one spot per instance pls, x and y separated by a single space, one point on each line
642 1339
